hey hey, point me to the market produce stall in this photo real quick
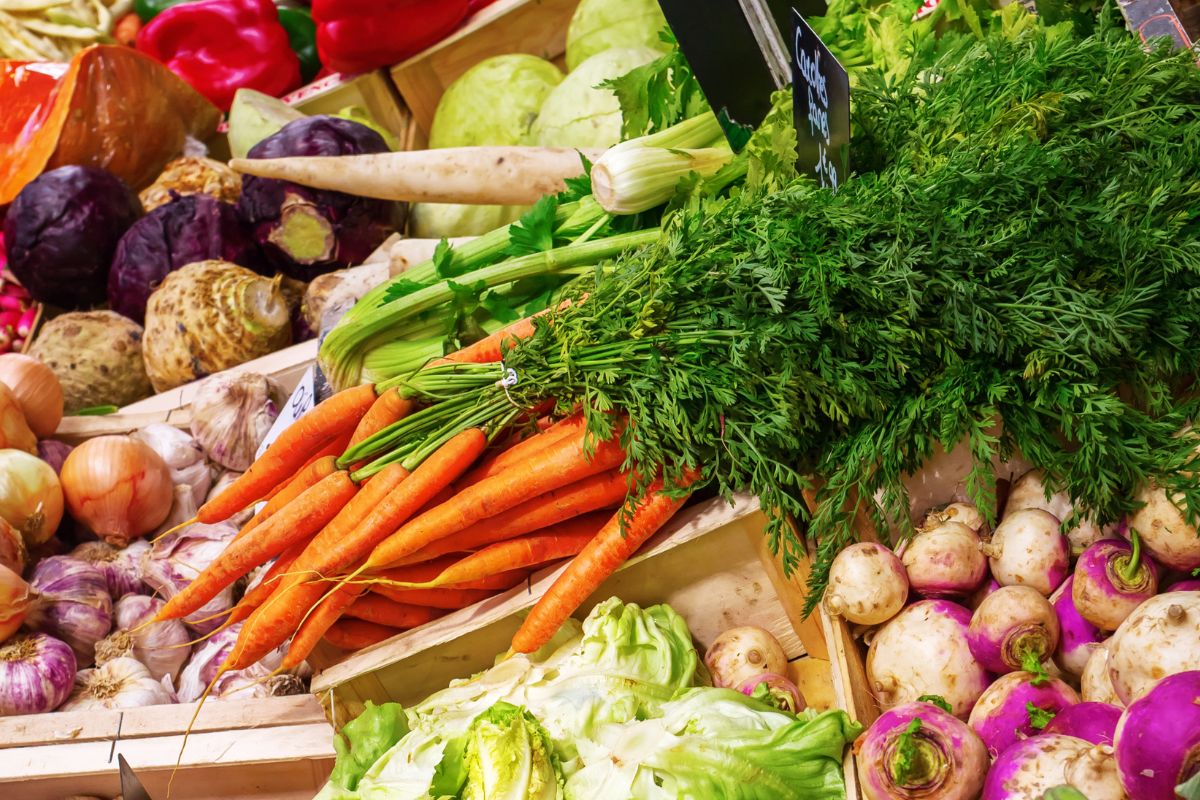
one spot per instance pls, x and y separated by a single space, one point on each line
544 420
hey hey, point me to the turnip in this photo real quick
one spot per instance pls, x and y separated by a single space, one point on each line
1111 579
1027 549
1158 738
1185 586
1165 532
963 513
867 584
1092 722
1018 705
1030 491
919 750
945 561
1032 767
980 594
1013 628
1095 684
922 651
1160 638
1077 637
739 654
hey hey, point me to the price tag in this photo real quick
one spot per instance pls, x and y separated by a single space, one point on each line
301 401
821 105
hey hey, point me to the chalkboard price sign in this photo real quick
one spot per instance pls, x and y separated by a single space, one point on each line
821 105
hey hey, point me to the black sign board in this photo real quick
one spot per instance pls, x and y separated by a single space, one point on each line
821 104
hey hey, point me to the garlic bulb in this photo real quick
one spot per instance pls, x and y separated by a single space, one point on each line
223 480
231 414
121 683
183 454
161 646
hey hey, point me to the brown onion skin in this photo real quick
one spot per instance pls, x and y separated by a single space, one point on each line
37 390
118 487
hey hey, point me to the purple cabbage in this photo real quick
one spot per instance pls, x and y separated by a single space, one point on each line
196 227
1092 722
62 230
1158 739
1017 705
305 232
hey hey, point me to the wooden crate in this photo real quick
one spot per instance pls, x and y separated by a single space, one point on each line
711 565
279 748
537 27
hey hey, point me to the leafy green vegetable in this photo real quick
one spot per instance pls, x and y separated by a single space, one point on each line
659 94
364 739
719 744
1039 718
509 756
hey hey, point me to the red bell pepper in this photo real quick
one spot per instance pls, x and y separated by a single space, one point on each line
220 46
359 35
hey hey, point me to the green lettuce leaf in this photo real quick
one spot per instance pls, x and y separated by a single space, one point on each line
509 756
364 739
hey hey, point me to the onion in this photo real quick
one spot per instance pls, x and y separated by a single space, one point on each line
13 553
54 453
14 429
36 674
121 683
175 560
118 487
121 568
739 654
31 498
37 390
161 646
780 692
867 584
15 599
183 455
71 602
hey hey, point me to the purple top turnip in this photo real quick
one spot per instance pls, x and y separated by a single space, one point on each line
945 561
1095 684
1092 722
1112 578
964 513
923 650
1013 628
1030 768
979 595
1016 706
867 584
1160 638
1077 637
1192 585
1030 491
1027 549
1165 531
917 750
1158 738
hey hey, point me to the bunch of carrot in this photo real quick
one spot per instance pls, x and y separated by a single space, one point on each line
444 518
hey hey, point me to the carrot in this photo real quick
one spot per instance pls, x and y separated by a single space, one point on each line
298 442
301 519
382 611
365 521
355 634
525 551
562 463
389 408
491 348
313 628
311 475
497 582
523 449
449 599
445 494
602 556
270 581
556 506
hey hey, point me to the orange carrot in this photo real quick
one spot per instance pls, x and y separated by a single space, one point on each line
519 553
449 599
590 494
389 408
355 634
258 595
439 498
308 477
287 455
524 449
491 347
317 623
562 463
382 611
301 519
602 556
368 519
